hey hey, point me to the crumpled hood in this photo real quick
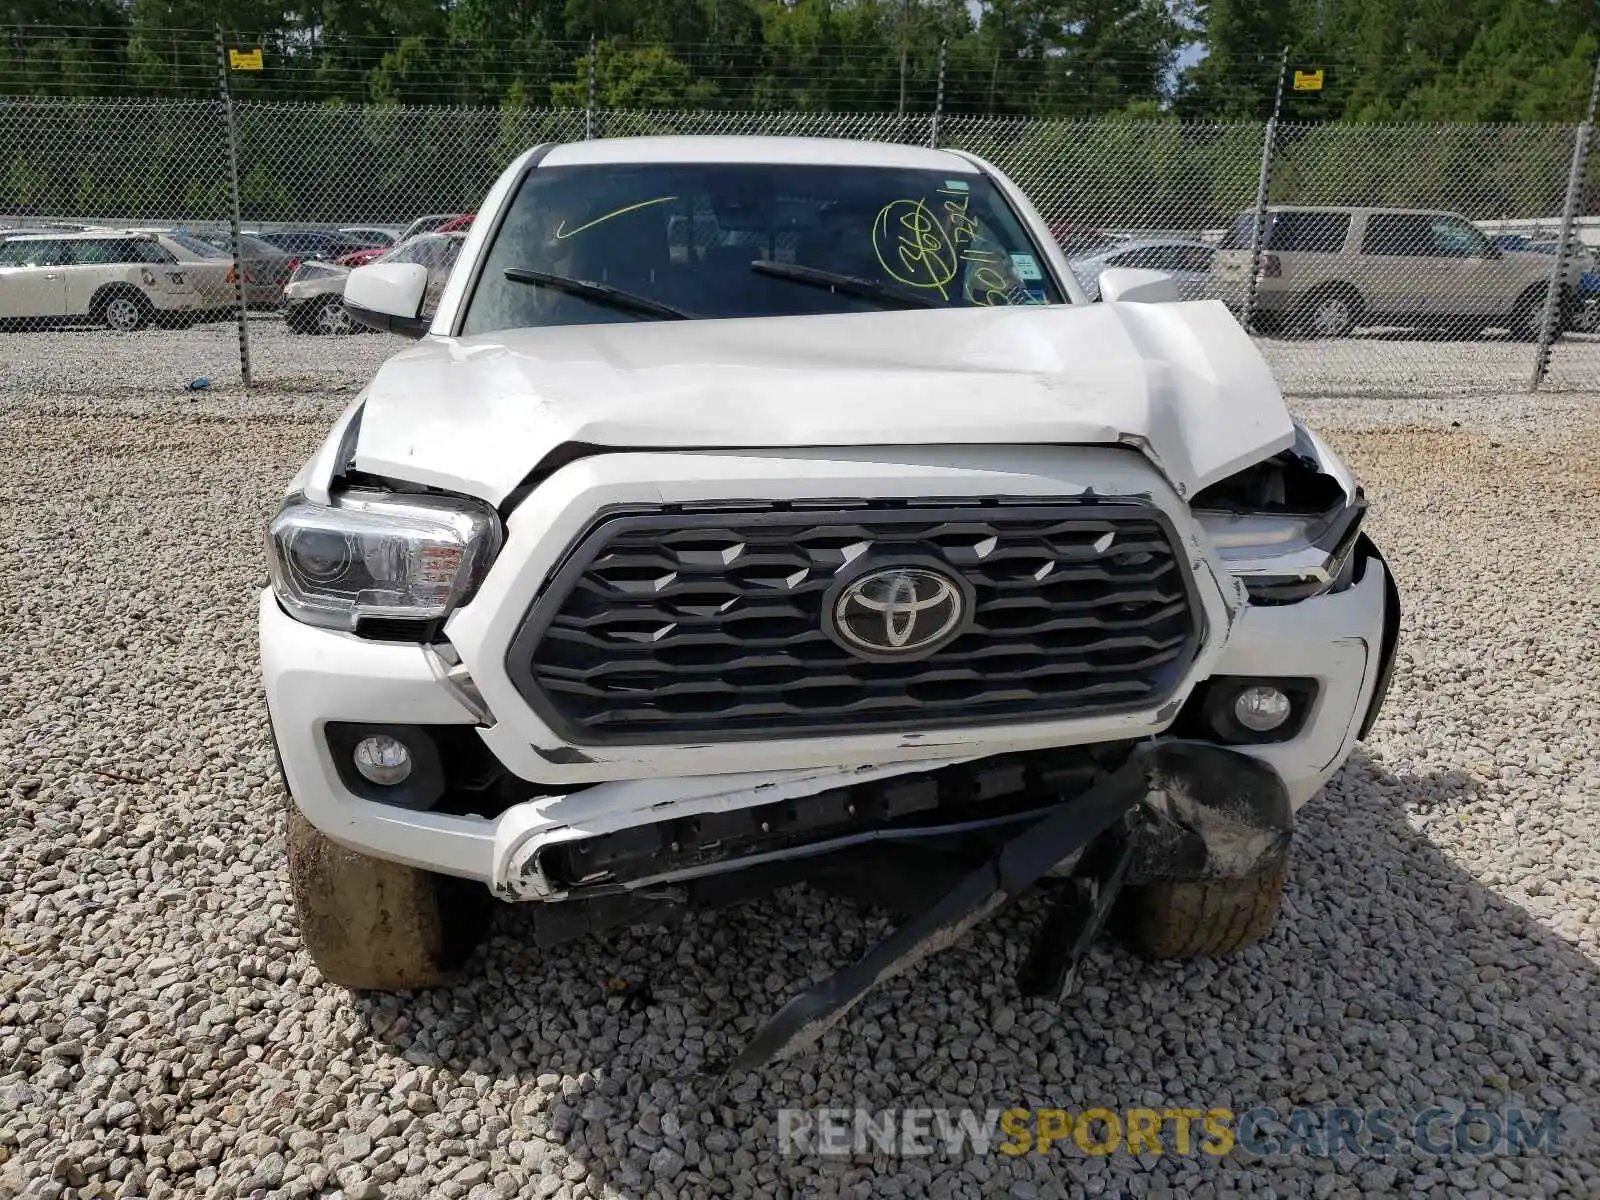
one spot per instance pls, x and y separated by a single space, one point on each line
1180 381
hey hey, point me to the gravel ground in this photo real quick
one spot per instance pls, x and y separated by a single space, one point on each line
162 1032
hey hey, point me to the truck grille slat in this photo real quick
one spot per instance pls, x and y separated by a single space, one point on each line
670 625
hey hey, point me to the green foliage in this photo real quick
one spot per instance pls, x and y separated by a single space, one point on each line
1386 60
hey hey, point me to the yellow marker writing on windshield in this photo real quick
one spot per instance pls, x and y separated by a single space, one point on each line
562 232
912 247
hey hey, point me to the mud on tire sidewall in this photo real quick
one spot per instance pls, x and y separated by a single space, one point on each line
1193 919
373 925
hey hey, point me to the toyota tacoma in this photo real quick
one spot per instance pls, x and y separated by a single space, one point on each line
764 510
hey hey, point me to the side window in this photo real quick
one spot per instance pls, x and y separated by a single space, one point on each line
30 254
144 250
1308 232
1454 238
1399 235
92 252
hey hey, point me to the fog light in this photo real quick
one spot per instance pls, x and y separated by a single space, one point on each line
383 760
1261 708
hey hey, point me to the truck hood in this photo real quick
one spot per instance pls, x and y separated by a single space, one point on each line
1181 382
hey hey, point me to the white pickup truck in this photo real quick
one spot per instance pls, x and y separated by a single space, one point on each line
757 510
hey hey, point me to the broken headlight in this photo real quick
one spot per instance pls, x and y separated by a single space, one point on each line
1282 558
1286 527
372 555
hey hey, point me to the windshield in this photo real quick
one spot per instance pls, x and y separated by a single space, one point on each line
686 236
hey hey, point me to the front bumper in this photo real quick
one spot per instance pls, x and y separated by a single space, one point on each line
314 677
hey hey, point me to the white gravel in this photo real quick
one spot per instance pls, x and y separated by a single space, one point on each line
162 1032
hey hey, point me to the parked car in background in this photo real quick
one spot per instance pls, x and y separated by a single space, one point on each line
437 223
314 297
1075 239
208 268
303 244
1585 310
377 235
122 280
266 268
361 258
1187 262
1325 270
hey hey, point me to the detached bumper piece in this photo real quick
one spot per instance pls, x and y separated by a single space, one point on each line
1175 809
991 792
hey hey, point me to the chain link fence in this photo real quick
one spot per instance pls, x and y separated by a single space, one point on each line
1401 260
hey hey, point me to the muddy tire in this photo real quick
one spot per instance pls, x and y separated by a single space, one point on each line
373 925
1199 919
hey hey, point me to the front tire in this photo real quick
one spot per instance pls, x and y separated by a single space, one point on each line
332 318
1205 918
373 925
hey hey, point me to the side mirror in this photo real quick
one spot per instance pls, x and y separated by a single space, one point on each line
1137 285
388 296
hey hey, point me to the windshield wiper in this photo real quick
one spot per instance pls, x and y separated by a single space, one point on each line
853 285
600 293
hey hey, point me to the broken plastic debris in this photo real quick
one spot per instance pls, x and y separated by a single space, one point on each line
199 385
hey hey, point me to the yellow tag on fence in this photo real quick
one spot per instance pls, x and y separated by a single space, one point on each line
1308 81
250 60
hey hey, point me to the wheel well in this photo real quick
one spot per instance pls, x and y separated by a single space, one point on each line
106 291
1347 290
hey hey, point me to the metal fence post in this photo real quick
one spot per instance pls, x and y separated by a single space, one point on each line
225 92
1554 310
1269 145
588 116
938 103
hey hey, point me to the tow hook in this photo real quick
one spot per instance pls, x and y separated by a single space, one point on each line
1175 810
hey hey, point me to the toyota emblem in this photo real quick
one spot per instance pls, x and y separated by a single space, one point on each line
898 612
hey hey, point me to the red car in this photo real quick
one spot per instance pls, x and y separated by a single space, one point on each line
451 225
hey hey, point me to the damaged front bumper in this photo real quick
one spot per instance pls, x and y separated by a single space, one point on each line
522 845
1174 809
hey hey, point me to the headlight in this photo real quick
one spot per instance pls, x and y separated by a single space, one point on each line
375 555
1282 558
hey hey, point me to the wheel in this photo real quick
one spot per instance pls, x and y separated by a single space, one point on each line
331 317
1528 315
1183 919
125 311
1330 314
373 925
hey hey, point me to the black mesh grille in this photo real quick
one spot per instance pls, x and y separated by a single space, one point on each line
675 625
